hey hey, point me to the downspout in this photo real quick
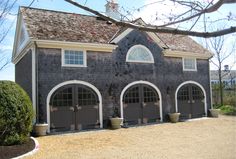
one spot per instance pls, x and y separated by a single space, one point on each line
211 105
36 82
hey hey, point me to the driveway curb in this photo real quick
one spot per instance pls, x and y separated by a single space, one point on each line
36 148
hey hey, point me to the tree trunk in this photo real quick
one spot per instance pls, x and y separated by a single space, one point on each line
221 87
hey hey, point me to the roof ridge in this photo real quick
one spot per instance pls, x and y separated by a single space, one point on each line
57 11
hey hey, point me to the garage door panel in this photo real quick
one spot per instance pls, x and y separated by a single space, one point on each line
198 109
141 104
74 107
132 112
62 119
88 115
190 101
150 112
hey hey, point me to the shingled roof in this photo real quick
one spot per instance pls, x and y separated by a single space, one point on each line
62 26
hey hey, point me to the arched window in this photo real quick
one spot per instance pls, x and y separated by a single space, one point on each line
139 53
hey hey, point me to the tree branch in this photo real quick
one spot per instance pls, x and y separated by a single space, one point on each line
151 28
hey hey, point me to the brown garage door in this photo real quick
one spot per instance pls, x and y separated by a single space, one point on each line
190 101
141 105
74 107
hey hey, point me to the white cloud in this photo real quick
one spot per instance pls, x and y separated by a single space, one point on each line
157 12
154 14
6 47
11 17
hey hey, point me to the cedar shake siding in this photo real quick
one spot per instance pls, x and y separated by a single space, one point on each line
110 73
72 91
23 73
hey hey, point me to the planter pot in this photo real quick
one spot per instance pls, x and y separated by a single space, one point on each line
214 112
40 129
174 117
116 123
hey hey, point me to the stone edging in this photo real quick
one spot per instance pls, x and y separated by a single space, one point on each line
36 148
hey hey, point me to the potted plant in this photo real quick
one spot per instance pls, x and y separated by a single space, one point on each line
214 112
116 121
40 129
174 117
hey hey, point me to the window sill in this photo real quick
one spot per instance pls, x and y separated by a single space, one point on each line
76 66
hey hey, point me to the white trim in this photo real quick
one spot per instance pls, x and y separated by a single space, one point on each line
156 39
21 45
152 35
16 48
34 81
121 36
140 82
22 53
73 65
191 82
189 58
175 53
32 152
139 46
18 54
75 82
209 73
106 48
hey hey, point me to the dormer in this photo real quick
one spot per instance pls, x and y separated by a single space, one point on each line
112 9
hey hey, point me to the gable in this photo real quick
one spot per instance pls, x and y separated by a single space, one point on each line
21 36
124 32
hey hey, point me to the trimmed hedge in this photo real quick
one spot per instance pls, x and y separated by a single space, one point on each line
16 114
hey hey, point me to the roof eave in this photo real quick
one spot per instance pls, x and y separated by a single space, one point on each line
66 44
175 53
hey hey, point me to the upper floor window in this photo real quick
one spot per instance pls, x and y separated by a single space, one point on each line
189 64
74 58
139 53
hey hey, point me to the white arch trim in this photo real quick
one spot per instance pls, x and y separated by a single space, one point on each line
130 51
140 82
190 82
75 82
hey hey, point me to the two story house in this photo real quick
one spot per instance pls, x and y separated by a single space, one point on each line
78 68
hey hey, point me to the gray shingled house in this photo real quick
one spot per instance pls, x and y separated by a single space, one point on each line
78 68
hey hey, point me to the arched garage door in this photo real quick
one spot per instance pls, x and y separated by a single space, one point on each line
74 107
190 100
141 104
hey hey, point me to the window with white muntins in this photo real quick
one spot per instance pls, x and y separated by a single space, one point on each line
139 54
189 64
74 58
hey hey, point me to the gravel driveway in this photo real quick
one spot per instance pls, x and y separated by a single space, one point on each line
206 138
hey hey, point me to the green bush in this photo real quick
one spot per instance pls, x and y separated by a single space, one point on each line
230 99
228 109
16 114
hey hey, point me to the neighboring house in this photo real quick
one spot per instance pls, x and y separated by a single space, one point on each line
228 78
77 68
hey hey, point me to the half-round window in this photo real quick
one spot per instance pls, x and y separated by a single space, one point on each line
139 53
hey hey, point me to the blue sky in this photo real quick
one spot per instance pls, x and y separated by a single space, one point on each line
9 73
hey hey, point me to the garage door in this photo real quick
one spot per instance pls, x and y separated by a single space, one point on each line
141 105
191 101
74 107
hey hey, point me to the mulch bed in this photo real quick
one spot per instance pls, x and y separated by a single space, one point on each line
7 152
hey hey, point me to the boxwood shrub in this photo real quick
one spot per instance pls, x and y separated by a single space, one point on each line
16 114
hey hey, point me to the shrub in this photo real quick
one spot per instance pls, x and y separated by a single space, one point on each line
228 110
16 114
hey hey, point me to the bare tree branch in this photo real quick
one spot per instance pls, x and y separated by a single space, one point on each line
6 7
151 28
218 46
